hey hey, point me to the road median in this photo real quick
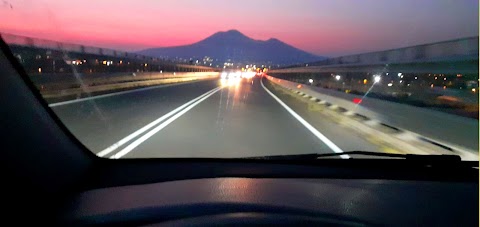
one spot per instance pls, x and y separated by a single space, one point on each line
52 91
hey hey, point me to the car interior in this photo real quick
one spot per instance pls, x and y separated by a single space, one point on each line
51 178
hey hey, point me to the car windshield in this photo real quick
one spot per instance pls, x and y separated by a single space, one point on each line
236 79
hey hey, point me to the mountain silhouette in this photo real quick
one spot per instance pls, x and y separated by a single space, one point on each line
234 46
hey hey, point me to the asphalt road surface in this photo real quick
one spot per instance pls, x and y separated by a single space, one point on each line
236 118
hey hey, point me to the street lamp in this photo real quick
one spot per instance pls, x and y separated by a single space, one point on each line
310 81
376 78
337 77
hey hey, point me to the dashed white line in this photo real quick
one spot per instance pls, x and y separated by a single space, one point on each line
307 125
149 134
126 139
333 107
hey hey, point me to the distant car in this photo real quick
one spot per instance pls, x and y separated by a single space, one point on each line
224 75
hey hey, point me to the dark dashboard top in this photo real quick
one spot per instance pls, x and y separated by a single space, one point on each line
337 201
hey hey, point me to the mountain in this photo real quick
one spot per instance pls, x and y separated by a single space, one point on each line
236 47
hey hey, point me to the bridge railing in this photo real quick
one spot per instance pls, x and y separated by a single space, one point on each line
68 51
68 47
452 50
63 71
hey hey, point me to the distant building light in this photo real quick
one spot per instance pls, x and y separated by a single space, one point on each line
444 78
310 81
474 90
389 84
39 70
436 78
401 81
365 81
338 77
376 79
399 74
416 78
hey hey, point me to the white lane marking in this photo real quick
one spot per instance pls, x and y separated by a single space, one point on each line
150 125
152 132
115 93
307 125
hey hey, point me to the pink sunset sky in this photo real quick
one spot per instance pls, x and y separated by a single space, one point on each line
322 27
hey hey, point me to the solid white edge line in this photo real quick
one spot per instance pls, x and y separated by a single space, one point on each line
115 93
150 125
152 132
307 125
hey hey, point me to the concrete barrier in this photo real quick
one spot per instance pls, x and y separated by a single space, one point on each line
58 88
52 82
457 133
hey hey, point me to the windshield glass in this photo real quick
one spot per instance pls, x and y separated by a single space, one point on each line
231 79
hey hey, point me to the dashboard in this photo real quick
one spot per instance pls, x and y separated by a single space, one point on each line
279 201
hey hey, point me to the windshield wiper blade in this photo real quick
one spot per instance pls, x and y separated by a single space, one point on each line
410 157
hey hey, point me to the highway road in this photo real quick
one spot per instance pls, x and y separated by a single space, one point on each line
236 118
